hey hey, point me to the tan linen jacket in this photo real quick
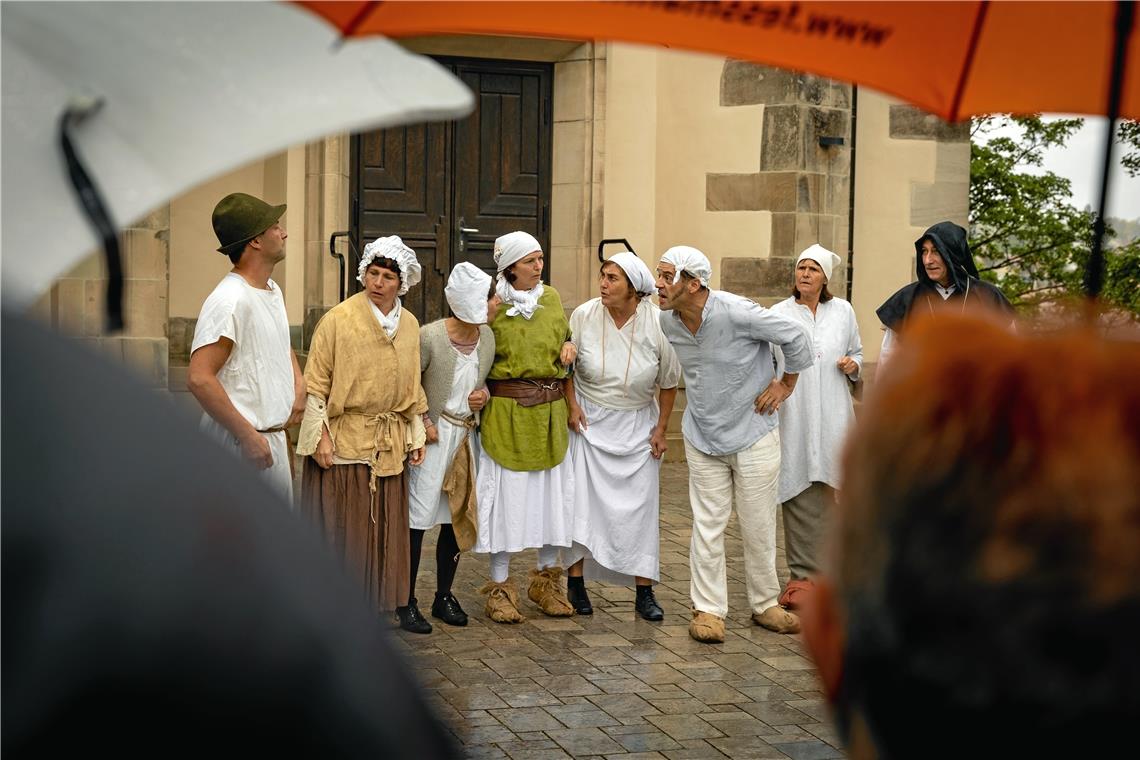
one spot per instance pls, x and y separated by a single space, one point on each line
365 387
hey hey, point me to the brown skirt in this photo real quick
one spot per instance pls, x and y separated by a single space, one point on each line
369 531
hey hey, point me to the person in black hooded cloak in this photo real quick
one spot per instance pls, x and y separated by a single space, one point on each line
947 278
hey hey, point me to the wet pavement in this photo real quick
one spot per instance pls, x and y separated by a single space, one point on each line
612 684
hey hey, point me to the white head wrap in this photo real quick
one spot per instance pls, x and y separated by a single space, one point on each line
466 293
826 259
510 248
637 272
688 259
513 247
393 248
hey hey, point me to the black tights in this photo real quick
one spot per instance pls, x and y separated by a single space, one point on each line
446 558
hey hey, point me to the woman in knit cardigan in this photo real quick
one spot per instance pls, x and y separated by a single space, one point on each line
455 356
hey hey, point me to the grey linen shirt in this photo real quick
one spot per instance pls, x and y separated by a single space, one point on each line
727 364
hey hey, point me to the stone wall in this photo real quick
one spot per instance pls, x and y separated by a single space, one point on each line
947 196
327 184
577 174
75 305
803 183
912 170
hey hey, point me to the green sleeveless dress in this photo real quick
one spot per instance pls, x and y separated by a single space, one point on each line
527 438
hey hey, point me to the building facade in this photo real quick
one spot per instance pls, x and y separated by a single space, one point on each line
576 143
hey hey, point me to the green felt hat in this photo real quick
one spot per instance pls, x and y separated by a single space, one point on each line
239 218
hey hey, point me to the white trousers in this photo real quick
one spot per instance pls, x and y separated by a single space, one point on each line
750 477
548 556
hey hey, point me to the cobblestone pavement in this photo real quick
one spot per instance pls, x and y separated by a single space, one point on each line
612 684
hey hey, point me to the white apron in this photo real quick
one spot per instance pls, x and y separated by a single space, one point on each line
427 503
616 498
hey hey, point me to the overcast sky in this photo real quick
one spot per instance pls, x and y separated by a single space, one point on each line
1081 160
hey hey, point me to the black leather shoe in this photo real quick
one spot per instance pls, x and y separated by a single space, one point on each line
579 599
411 619
447 609
647 605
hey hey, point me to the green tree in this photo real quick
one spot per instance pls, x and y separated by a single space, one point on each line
1128 134
1027 236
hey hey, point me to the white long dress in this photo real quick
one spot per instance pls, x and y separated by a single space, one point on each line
550 492
616 495
427 503
814 420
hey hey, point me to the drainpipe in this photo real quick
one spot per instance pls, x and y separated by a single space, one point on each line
851 196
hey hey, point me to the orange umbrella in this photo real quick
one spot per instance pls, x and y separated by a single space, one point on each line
953 59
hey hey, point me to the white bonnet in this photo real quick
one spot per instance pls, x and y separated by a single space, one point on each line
826 259
393 248
466 293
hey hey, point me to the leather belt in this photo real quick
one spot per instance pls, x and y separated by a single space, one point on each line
527 391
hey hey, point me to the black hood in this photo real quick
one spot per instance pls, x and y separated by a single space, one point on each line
950 240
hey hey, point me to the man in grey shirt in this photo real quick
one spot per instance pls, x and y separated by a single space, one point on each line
732 440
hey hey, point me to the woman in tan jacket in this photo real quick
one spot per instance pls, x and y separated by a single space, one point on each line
363 421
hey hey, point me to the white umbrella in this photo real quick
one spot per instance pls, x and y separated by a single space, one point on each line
219 601
189 90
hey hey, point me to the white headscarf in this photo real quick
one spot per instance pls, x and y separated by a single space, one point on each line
513 247
826 259
393 248
688 259
509 249
466 293
637 272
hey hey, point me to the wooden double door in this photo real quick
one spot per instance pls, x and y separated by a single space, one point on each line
449 189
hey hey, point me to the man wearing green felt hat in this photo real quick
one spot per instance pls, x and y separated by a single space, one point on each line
242 367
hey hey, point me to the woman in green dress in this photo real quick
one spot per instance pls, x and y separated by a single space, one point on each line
525 490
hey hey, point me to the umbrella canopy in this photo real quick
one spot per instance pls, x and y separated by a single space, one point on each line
189 90
953 59
157 583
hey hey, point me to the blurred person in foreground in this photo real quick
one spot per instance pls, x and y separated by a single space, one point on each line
171 608
981 590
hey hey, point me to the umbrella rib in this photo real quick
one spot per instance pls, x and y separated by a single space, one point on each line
968 64
360 17
1122 29
94 207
